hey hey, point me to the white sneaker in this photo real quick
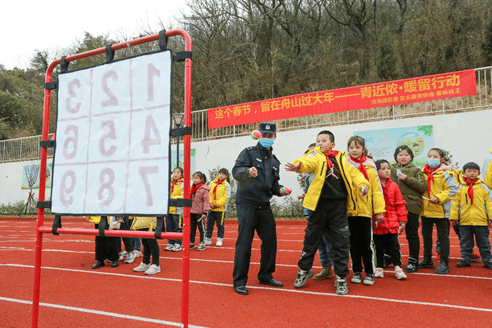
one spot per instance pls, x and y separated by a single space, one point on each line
153 269
379 273
208 241
219 242
142 267
400 275
177 248
169 247
130 257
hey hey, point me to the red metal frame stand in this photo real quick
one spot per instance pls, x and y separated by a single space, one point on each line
185 235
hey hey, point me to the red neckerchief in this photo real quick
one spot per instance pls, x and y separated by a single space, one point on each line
332 153
430 178
215 188
175 183
194 188
361 167
470 188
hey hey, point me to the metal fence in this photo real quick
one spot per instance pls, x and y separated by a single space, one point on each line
23 149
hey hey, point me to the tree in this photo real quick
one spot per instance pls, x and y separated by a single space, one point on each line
32 173
486 45
386 58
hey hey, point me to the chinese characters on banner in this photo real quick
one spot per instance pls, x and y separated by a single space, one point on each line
426 88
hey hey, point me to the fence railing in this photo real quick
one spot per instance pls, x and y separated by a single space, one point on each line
24 149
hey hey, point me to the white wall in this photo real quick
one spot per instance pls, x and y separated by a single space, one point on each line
467 136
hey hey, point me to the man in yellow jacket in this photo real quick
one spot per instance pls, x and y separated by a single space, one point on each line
472 210
331 195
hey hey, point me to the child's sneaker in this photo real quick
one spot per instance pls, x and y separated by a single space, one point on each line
177 248
130 257
219 242
201 247
488 264
399 273
369 280
463 264
137 253
192 245
153 269
302 277
379 273
142 267
475 257
122 255
208 241
357 278
341 285
169 247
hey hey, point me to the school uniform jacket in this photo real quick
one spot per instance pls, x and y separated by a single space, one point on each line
315 161
221 196
396 211
373 203
412 188
200 200
476 214
176 193
487 170
444 188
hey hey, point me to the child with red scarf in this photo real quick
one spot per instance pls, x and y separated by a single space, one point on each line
220 193
386 233
441 189
369 207
199 208
174 220
472 210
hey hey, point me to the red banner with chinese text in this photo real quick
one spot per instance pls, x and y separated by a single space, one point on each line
426 88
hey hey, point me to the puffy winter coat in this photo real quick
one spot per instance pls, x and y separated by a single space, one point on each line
487 170
220 196
373 203
396 211
176 193
315 161
200 200
444 188
476 214
412 188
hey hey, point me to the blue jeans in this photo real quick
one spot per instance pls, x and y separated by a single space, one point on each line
213 217
482 237
324 251
174 224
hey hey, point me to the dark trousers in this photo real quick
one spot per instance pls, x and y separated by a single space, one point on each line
442 225
126 240
174 224
261 220
194 223
150 247
482 237
360 243
412 234
217 217
106 248
387 243
329 216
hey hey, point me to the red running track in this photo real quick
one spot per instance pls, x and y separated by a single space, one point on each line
74 295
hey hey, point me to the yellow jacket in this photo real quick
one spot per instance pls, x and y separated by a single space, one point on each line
373 203
315 161
487 170
476 214
444 188
176 193
96 219
221 196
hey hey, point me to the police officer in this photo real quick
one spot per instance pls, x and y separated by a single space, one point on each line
257 172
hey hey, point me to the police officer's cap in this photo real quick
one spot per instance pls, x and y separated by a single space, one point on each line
267 127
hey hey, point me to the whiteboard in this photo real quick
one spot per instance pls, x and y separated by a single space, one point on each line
112 138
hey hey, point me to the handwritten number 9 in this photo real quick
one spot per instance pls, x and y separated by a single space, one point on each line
64 190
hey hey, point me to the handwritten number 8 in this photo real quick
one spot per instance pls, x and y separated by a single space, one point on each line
105 198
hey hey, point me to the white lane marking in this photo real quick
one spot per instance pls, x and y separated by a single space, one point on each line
383 299
108 314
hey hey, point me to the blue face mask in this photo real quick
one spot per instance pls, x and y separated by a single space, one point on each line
267 142
433 163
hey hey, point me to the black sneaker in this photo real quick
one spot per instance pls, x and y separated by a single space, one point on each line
341 286
488 265
411 268
426 263
443 267
463 264
302 277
